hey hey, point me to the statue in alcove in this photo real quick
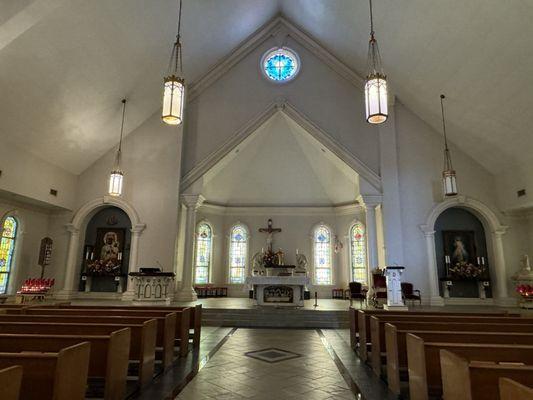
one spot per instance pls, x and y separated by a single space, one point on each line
109 254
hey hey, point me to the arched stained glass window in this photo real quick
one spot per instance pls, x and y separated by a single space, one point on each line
280 65
238 254
7 248
322 255
358 252
204 243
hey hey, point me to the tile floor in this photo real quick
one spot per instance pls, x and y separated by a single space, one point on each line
307 371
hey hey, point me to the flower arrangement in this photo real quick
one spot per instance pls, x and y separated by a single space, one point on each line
466 270
526 291
99 267
268 258
36 286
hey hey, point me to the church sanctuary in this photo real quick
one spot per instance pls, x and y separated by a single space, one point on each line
266 199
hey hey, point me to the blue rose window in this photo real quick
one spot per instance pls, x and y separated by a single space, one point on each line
281 65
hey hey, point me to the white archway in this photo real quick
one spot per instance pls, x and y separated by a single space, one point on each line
79 221
492 225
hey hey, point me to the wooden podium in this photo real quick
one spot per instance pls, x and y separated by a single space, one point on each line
393 275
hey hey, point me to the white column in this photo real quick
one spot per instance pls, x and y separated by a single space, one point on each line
500 286
192 203
133 265
71 270
433 278
371 203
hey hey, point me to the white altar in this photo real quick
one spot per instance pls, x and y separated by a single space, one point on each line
278 290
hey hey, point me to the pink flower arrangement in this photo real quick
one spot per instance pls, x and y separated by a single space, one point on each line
525 291
466 270
98 267
36 286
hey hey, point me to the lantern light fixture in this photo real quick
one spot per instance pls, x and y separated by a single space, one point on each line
116 178
174 83
376 98
449 178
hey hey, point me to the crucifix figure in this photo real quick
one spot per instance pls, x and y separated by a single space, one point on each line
270 233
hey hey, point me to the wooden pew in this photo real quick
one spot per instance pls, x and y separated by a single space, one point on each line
357 316
10 379
463 379
142 344
377 329
511 390
423 359
166 324
165 333
108 356
52 376
395 338
195 319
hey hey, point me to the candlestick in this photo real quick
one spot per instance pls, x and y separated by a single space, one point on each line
297 252
482 260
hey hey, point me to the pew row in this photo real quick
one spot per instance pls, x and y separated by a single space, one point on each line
142 344
356 317
181 320
395 339
365 335
463 379
108 356
511 390
424 366
52 376
166 324
10 379
195 320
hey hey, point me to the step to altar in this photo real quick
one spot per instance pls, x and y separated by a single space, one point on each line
268 317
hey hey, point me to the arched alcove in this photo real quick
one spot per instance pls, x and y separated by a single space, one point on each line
77 229
106 251
494 232
459 225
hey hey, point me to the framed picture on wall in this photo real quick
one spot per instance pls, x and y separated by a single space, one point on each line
109 246
460 246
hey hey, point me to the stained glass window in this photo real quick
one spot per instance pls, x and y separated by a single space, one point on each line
358 252
7 247
322 255
281 65
238 250
204 240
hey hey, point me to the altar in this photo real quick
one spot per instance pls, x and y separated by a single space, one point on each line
278 290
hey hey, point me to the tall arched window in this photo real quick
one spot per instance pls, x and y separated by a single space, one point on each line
322 255
358 252
7 248
238 254
204 243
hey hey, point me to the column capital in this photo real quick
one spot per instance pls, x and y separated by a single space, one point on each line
72 229
138 228
192 200
499 232
370 200
427 230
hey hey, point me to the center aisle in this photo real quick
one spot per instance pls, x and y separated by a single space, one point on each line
272 363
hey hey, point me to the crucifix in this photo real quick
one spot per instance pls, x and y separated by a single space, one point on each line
270 232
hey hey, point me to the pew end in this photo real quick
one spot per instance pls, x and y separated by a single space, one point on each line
10 380
455 376
512 390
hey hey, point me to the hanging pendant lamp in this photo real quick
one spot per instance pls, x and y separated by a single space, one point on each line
376 102
116 177
174 83
449 178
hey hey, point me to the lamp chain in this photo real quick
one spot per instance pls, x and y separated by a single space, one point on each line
122 126
371 21
447 156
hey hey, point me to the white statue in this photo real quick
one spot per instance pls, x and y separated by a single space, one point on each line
301 263
258 264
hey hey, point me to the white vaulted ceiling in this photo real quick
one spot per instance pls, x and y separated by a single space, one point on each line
65 64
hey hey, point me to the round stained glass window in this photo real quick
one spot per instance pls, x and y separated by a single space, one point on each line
280 64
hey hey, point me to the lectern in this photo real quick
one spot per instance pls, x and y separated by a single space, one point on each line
393 276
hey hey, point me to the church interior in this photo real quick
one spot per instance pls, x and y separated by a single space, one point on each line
248 199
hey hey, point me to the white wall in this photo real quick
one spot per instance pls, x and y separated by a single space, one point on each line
151 165
27 175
